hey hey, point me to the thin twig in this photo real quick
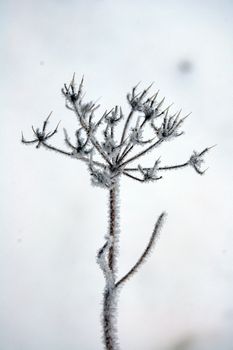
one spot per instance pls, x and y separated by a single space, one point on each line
92 138
161 168
157 143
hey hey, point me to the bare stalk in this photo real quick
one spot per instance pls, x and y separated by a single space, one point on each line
113 223
109 302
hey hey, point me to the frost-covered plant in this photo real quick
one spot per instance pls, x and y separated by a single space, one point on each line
108 145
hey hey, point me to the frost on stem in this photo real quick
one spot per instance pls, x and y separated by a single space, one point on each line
109 143
106 259
102 260
146 251
109 300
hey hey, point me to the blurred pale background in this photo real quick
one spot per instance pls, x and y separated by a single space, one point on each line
53 221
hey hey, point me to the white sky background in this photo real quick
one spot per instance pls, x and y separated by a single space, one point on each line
53 221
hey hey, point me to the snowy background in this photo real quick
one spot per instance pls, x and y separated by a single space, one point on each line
53 221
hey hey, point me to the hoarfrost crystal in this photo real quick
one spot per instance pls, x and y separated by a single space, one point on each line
108 158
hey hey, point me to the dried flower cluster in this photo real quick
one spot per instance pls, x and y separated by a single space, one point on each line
115 153
108 144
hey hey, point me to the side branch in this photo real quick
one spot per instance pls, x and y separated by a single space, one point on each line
172 167
133 177
72 155
144 255
126 125
157 143
92 138
52 148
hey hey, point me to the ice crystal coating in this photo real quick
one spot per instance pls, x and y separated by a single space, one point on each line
170 126
102 178
114 116
151 173
196 160
106 144
109 155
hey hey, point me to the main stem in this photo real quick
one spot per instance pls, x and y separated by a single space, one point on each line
109 302
113 221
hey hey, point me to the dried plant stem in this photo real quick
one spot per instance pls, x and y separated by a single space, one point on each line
109 302
109 309
115 161
112 227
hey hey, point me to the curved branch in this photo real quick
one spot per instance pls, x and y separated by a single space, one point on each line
147 250
132 177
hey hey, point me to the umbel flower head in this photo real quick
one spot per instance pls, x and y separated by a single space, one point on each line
108 144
